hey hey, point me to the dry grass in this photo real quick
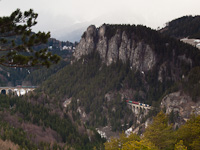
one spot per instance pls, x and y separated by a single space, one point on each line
7 145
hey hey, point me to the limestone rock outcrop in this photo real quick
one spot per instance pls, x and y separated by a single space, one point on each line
119 46
181 103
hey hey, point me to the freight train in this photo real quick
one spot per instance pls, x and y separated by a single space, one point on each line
137 103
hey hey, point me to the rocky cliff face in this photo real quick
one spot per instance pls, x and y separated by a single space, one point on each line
119 46
180 104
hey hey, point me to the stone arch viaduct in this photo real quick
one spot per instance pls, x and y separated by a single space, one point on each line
139 108
18 90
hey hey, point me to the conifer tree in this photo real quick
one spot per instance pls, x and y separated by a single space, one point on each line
190 133
17 41
180 146
160 133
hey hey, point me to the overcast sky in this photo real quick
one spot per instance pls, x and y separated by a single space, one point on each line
60 16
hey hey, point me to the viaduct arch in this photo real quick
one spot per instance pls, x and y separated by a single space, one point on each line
137 109
18 90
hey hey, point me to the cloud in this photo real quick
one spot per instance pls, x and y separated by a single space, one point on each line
57 15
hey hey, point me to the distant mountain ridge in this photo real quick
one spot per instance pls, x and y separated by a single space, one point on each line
186 26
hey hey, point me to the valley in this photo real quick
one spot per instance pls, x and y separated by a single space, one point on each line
118 80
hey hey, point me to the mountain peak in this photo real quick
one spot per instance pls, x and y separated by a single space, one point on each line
117 42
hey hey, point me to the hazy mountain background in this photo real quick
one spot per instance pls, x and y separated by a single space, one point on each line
74 32
58 16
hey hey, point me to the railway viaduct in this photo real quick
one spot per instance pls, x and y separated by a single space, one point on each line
139 108
18 90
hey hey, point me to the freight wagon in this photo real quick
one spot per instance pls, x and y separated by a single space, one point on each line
137 103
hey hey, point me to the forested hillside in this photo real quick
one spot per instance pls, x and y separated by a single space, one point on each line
35 75
161 136
75 99
39 75
12 76
187 26
99 91
23 122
